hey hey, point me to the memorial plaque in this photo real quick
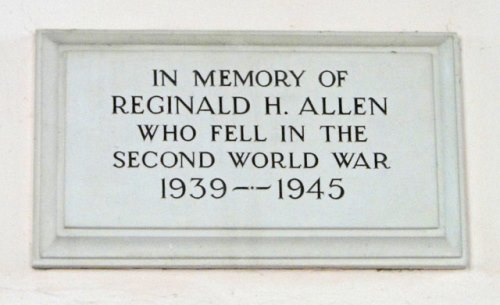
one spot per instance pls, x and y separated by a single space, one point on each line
248 150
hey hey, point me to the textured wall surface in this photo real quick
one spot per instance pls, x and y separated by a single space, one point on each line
477 24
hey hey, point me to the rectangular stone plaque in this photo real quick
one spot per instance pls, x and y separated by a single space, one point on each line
159 149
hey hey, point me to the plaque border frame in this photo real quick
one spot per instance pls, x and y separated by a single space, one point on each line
57 246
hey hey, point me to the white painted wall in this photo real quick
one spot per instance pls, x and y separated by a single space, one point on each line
477 23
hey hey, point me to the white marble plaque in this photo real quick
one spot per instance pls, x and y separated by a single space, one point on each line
248 149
